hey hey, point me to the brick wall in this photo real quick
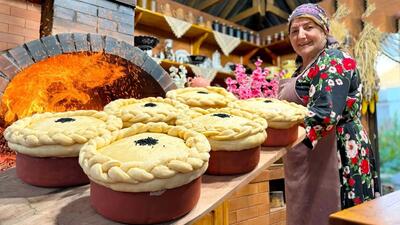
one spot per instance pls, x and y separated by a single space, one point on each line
91 16
19 22
251 204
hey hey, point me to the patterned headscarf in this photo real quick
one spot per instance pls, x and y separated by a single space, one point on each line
318 15
311 11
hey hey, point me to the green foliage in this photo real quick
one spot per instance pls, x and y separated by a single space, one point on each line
389 148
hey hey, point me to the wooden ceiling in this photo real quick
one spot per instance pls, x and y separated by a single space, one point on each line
254 14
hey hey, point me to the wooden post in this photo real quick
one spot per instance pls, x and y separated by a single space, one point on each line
197 43
247 56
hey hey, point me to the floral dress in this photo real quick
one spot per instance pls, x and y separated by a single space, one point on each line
332 91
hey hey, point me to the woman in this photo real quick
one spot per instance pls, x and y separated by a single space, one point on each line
333 168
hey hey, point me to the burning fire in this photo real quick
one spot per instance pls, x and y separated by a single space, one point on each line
60 83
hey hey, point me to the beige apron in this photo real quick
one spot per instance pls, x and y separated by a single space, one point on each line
312 186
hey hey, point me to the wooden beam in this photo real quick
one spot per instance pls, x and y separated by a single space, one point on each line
244 14
261 6
248 55
197 43
138 16
275 10
227 9
191 3
206 4
272 55
258 6
291 4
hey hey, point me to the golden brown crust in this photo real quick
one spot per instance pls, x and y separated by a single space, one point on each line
280 114
239 130
135 111
150 175
203 97
56 140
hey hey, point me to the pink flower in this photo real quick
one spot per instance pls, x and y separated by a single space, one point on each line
258 63
261 83
230 81
256 93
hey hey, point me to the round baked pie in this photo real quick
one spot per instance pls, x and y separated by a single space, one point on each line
283 118
147 173
145 110
235 137
203 97
48 145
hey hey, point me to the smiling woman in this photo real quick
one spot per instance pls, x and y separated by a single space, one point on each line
307 38
334 167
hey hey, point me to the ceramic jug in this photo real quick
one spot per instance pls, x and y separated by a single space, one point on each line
198 81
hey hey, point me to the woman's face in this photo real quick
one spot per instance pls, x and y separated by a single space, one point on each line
306 37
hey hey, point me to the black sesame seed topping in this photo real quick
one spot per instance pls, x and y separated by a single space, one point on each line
267 101
221 115
146 141
202 92
150 104
64 120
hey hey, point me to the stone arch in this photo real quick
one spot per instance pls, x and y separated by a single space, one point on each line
16 59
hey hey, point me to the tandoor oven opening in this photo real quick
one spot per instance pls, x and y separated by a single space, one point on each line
73 81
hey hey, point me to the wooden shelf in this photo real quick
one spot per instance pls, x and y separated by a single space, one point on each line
72 205
166 64
275 172
197 34
244 47
281 47
276 209
151 19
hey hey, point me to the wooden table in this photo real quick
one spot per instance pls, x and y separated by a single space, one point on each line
22 204
381 211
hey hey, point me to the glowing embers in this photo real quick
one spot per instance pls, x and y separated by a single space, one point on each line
60 83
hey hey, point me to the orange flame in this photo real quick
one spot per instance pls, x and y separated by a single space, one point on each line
61 83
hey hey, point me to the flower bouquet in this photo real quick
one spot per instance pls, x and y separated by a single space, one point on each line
260 83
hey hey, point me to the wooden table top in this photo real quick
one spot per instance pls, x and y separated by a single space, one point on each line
381 211
22 204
